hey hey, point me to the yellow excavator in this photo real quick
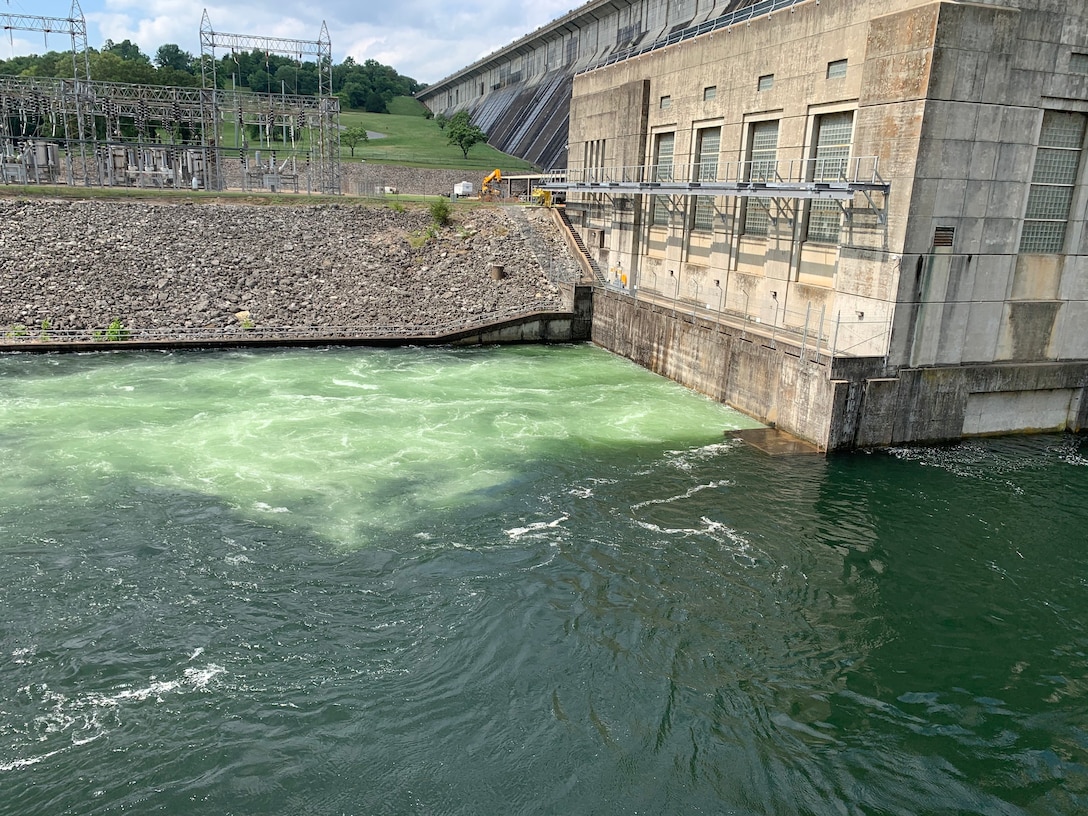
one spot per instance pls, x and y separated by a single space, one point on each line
492 186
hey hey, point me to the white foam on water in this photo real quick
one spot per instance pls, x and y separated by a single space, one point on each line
536 526
199 679
734 542
731 540
685 460
22 763
359 385
82 715
687 494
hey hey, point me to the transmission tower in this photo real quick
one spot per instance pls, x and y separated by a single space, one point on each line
324 119
80 97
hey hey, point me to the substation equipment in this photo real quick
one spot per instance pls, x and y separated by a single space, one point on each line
81 132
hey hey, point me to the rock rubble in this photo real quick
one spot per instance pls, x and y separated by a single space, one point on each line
155 265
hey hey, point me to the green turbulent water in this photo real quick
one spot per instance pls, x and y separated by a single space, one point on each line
516 581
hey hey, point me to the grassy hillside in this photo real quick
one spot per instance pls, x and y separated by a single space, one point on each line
404 137
407 106
407 138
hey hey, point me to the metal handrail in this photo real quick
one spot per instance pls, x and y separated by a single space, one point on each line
855 170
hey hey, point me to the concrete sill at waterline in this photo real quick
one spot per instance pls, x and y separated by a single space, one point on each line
537 327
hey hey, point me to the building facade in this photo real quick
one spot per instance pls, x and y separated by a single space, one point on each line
947 277
863 221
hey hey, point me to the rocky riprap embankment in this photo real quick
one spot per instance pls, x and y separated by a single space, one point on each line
78 265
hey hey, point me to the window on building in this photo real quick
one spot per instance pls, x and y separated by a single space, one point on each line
1057 162
765 83
666 102
836 69
708 142
660 215
702 215
762 166
1078 63
710 93
664 146
833 136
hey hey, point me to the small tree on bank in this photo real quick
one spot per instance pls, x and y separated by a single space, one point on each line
461 132
354 136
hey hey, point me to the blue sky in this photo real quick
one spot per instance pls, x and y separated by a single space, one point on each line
424 39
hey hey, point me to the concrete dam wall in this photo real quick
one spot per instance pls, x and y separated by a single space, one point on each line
520 95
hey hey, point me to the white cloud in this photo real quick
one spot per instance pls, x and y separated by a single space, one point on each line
423 39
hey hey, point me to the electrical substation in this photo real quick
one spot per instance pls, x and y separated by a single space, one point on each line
82 132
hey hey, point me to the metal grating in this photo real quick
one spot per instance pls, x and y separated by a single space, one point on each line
944 236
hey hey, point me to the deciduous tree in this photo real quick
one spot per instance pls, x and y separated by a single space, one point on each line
354 136
461 132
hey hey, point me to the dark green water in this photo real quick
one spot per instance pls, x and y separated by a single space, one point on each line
531 580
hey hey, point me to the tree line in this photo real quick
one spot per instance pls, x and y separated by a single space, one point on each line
368 86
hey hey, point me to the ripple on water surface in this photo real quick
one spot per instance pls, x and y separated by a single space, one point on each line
517 580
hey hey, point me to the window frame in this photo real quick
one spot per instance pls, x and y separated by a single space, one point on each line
1055 173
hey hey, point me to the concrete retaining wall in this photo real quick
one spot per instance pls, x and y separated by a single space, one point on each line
939 404
770 380
846 403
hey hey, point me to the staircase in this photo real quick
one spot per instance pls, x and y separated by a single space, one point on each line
576 239
562 267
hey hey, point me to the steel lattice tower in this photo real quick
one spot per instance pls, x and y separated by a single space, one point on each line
325 120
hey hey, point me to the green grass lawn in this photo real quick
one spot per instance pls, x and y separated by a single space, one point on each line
410 139
406 138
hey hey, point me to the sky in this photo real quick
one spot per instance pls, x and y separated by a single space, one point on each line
426 40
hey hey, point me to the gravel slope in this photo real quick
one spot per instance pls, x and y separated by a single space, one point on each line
180 266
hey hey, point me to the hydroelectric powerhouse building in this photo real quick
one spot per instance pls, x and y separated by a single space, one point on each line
861 220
